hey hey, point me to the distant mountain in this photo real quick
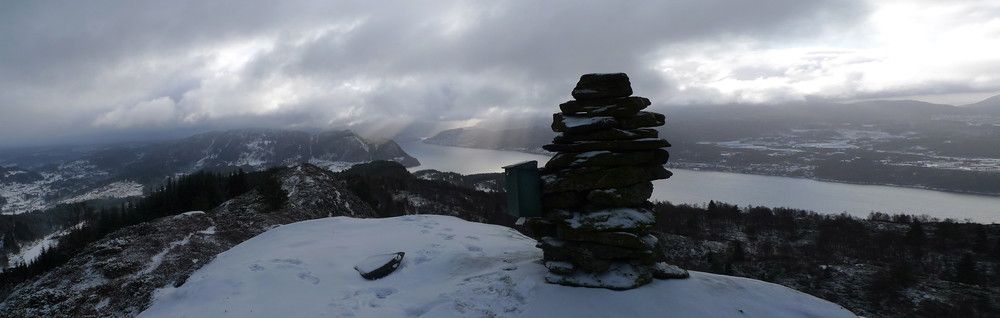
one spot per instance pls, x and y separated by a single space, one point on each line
898 110
528 139
990 105
257 149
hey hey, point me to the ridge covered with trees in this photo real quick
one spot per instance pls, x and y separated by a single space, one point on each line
882 266
200 191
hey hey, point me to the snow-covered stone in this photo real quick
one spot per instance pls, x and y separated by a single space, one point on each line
580 124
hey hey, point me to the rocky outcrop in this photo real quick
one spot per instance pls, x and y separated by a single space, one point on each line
596 189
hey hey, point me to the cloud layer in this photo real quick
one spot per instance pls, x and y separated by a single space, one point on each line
99 68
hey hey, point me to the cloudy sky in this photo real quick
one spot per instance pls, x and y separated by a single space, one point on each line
85 70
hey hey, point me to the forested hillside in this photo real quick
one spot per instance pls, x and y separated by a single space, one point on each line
882 266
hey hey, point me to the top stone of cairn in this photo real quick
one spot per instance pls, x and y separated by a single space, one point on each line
598 86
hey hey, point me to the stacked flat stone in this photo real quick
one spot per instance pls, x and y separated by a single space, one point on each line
596 188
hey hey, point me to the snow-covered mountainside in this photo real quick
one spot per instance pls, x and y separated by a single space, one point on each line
486 182
115 276
117 189
120 171
29 252
261 148
24 191
452 268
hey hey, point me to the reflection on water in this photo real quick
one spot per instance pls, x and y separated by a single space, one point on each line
698 187
465 160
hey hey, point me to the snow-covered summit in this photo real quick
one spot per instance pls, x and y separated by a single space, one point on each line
452 268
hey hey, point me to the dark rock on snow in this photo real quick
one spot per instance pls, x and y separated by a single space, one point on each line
378 266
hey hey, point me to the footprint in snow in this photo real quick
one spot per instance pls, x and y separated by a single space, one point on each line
291 261
309 278
352 301
446 236
423 256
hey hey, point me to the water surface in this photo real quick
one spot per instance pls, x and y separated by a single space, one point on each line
699 187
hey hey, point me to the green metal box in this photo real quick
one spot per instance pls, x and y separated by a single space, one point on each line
524 189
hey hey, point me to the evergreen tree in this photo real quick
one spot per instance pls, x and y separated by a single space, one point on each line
237 183
738 254
965 270
996 250
9 243
274 196
915 236
981 244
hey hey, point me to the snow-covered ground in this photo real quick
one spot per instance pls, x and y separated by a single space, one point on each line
119 189
334 166
35 195
30 252
452 268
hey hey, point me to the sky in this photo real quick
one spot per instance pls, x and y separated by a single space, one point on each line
85 71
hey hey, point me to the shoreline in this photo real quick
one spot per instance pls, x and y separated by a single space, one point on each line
985 194
739 171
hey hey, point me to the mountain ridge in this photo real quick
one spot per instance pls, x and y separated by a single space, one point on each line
27 187
990 105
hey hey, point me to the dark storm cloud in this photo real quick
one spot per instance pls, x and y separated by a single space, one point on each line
74 67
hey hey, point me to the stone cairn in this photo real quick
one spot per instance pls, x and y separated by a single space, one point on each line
595 190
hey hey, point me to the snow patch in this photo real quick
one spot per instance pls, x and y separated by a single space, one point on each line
157 259
617 218
335 166
119 189
452 268
577 121
31 251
